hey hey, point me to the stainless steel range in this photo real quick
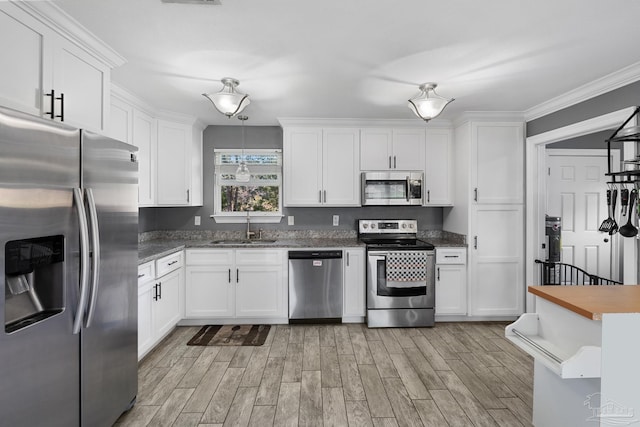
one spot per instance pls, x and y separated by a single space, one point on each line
400 274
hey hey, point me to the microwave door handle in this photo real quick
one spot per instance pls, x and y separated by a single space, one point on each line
408 187
95 261
84 260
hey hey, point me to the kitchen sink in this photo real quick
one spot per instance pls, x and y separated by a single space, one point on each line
242 242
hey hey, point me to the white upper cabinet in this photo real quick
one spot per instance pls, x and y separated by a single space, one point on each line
497 158
392 149
438 171
173 163
64 78
144 137
121 121
321 167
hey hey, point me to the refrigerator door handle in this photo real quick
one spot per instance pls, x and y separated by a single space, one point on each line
84 259
95 260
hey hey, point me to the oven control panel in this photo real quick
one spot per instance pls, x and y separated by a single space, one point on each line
381 226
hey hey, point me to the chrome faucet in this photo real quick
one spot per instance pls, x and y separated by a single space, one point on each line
249 232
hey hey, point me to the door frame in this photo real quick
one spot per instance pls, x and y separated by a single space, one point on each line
614 267
536 190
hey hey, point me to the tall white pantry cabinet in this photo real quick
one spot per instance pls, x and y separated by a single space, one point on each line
489 210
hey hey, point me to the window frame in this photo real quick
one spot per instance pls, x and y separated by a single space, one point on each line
241 217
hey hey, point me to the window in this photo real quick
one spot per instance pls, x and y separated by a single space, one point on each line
261 196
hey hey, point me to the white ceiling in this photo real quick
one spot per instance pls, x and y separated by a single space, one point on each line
361 58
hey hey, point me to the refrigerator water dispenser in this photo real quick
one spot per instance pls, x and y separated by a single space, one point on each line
33 281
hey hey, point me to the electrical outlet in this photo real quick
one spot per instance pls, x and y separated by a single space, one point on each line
290 220
196 220
336 220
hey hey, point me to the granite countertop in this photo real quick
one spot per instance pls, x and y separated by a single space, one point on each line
157 248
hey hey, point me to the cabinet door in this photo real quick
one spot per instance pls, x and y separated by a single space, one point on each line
498 163
259 292
145 325
496 253
145 138
451 289
354 285
166 304
340 170
302 167
408 149
209 291
85 83
24 61
375 149
120 121
173 159
438 174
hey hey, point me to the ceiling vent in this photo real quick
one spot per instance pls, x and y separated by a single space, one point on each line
193 1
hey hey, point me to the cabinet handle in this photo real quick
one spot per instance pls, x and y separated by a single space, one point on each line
160 290
475 242
438 278
173 262
347 259
428 196
61 115
237 275
320 196
451 256
187 196
475 194
141 275
389 162
325 196
155 292
52 104
229 275
394 162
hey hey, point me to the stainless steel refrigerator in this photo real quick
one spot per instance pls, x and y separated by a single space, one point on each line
68 235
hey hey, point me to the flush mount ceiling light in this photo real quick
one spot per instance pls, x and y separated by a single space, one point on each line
428 104
242 173
228 101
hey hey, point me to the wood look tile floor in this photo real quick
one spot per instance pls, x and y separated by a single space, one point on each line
455 374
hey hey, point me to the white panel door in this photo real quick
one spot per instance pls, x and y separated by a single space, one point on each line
375 149
354 304
451 289
173 157
498 163
340 170
259 291
120 121
302 166
497 268
145 138
23 61
409 149
209 291
166 304
438 176
576 192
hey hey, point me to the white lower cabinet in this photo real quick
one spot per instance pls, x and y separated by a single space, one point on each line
236 284
354 307
451 281
159 301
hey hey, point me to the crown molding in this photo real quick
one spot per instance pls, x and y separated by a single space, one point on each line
66 26
602 85
358 123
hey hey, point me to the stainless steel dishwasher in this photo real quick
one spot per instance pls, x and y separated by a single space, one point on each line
315 284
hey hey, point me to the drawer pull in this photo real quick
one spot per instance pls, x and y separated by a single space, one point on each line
452 256
173 262
141 275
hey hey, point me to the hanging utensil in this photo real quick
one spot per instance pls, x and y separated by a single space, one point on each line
609 225
629 230
624 200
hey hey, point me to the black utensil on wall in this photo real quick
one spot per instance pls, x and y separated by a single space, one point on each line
629 230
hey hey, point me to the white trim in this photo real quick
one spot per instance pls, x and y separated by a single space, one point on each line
489 116
255 219
587 152
535 186
615 80
62 23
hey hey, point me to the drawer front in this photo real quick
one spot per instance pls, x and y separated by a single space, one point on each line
168 264
451 255
209 256
146 272
258 257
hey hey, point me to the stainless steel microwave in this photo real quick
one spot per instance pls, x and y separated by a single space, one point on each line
393 188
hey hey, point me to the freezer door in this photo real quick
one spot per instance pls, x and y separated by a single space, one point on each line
109 337
39 355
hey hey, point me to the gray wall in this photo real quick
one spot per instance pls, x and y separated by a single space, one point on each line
591 141
626 96
182 218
